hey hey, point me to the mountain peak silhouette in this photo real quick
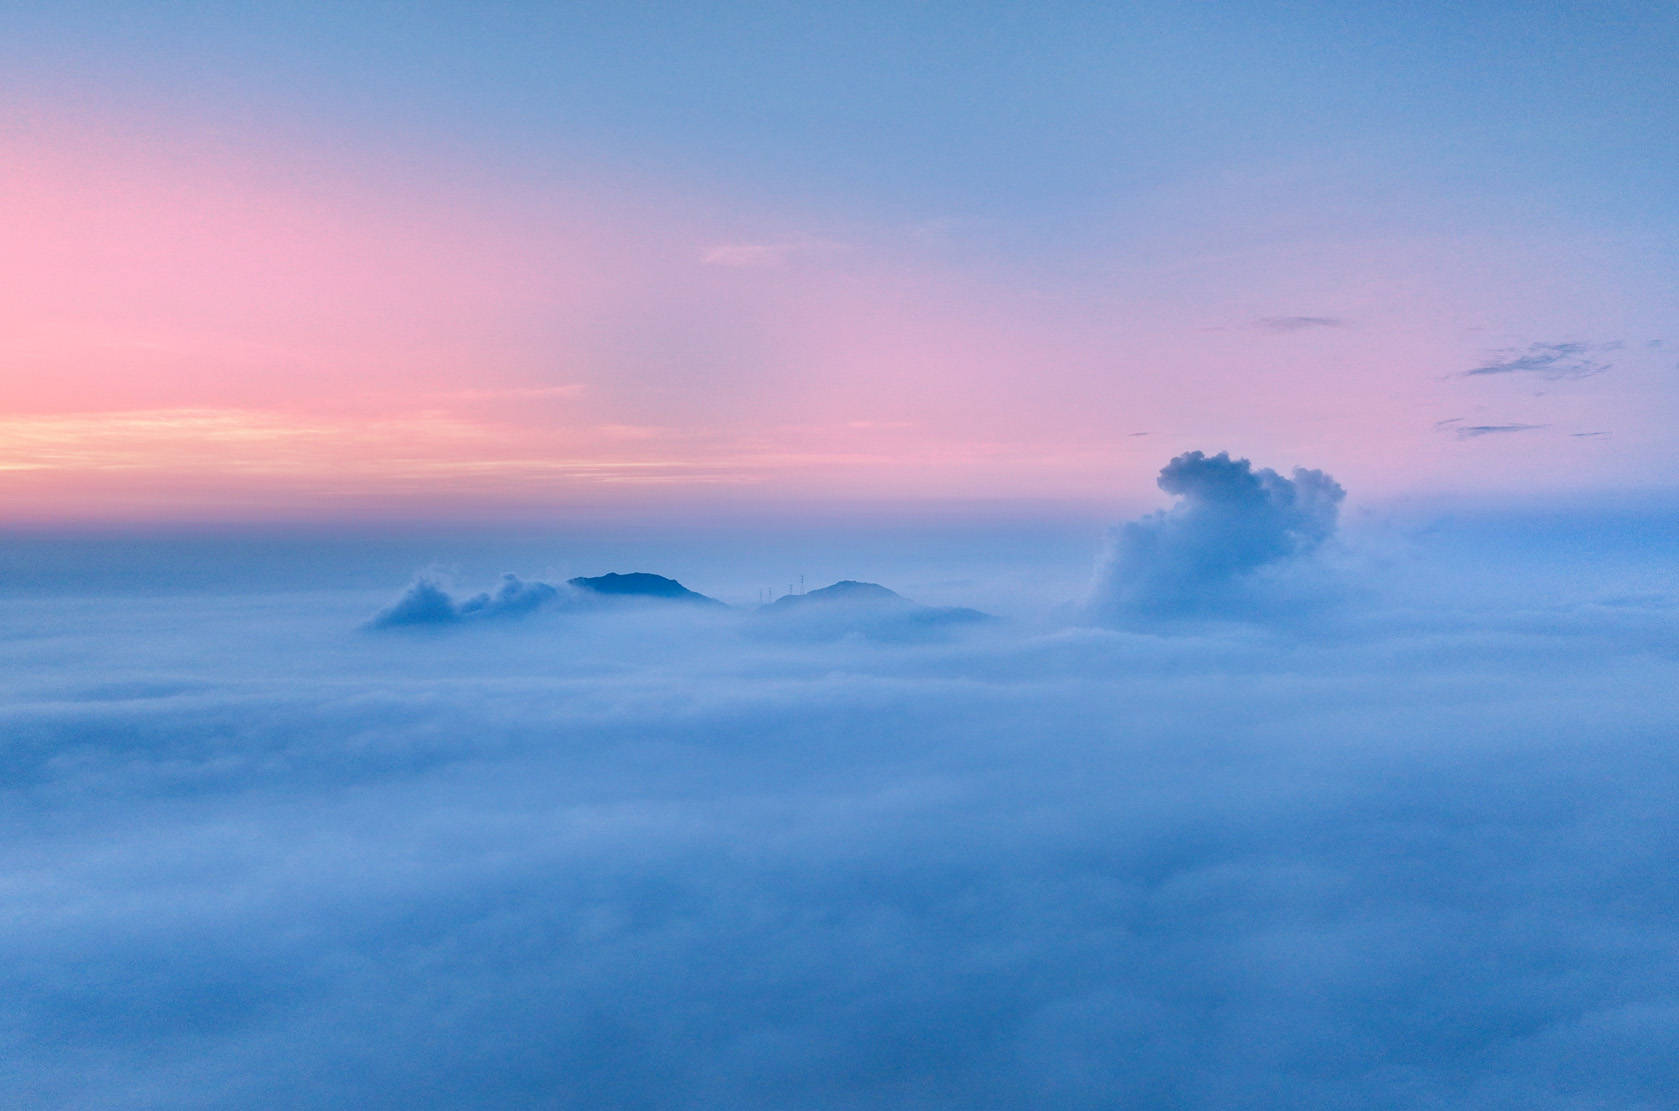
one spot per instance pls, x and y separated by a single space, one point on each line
844 592
640 584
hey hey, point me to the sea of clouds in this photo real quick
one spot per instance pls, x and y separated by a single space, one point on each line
1272 816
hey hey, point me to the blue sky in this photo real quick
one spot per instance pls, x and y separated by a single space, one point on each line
928 110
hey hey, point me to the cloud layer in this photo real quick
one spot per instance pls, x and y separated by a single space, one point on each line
1418 855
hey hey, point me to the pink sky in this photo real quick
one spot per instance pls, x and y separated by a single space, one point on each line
197 329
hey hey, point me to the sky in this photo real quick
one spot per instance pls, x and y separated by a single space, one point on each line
317 262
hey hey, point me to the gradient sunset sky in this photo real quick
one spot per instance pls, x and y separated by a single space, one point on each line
275 261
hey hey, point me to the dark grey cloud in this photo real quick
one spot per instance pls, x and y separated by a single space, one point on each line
1549 360
1297 323
1229 522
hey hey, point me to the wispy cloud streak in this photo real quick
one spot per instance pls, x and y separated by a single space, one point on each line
1549 360
1297 323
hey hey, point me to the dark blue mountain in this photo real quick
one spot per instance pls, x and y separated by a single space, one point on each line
640 584
866 609
847 592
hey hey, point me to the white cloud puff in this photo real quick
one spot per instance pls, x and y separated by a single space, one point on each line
1200 556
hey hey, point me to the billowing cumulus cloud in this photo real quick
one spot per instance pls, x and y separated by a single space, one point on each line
1200 556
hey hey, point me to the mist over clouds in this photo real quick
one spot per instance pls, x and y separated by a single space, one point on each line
1204 555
